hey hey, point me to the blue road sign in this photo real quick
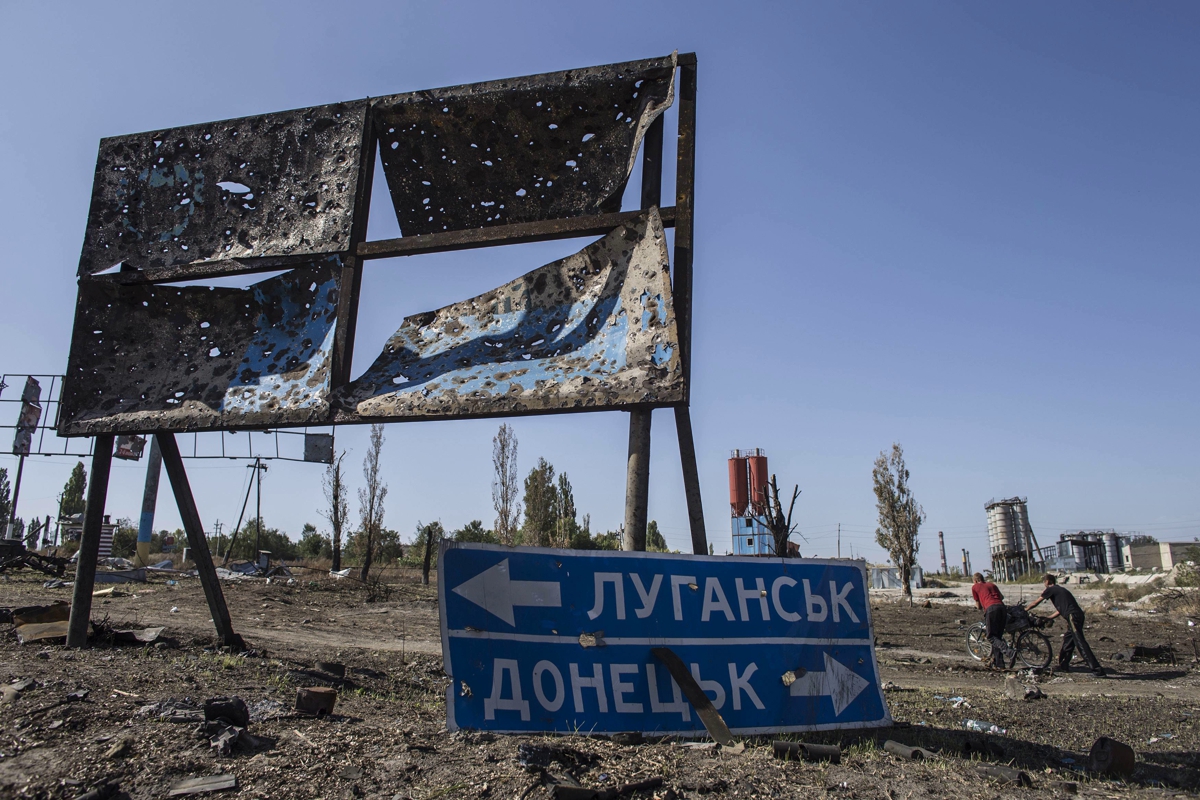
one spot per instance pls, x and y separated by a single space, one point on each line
560 640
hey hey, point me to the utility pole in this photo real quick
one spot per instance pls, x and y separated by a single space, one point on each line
839 540
259 469
12 516
217 527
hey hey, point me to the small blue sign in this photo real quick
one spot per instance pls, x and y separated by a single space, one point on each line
560 640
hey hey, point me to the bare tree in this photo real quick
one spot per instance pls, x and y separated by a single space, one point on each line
433 533
338 508
370 498
780 526
505 485
900 516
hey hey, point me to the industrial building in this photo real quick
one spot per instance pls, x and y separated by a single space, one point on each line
1011 541
748 503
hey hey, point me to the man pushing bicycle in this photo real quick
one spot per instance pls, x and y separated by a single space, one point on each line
1067 607
995 615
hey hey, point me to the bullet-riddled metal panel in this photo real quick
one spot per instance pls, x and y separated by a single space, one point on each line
543 147
273 185
148 358
594 330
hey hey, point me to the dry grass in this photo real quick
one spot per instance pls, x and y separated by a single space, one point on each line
1130 592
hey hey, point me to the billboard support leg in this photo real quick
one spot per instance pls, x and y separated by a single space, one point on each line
637 481
691 480
196 541
89 542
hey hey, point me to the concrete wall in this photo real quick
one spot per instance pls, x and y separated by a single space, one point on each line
1162 555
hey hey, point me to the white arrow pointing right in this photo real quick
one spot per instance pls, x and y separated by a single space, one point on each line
493 591
838 681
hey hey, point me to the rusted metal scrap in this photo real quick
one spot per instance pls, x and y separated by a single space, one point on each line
548 146
149 357
593 329
279 184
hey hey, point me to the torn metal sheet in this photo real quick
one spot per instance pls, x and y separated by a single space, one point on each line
550 146
148 358
593 330
279 184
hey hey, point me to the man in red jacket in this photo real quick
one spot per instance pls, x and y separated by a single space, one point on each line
995 616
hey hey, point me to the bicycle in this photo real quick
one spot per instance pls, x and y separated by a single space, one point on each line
1023 630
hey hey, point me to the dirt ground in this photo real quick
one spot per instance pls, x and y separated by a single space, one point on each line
387 737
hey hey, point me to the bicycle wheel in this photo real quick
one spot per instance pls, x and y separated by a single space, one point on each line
977 643
1033 648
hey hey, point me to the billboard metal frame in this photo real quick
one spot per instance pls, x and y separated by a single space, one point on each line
354 251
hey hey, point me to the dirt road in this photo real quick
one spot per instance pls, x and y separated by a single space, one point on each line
387 737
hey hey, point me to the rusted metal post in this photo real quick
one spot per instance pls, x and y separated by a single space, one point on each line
685 185
89 542
196 541
691 480
637 474
637 481
149 503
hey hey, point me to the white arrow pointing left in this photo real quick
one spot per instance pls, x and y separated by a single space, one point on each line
838 681
493 591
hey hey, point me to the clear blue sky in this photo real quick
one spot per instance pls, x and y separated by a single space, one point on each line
970 228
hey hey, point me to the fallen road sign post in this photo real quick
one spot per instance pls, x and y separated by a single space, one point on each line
558 640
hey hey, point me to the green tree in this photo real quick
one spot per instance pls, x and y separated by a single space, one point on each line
474 531
72 499
5 498
541 499
124 543
312 544
273 540
900 516
655 543
565 524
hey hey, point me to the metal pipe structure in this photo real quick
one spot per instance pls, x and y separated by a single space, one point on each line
89 542
149 503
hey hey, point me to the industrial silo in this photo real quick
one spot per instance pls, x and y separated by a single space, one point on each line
1000 526
1022 532
1112 552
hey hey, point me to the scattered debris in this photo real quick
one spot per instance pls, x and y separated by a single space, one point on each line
209 783
58 611
983 727
143 636
9 692
1066 787
1162 654
1006 776
1108 756
230 710
42 631
122 576
120 748
101 791
1015 690
330 668
172 710
906 752
317 700
795 751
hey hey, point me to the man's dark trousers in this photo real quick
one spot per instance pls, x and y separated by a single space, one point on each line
1074 638
995 617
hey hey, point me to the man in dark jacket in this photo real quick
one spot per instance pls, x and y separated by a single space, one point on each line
995 616
1065 606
